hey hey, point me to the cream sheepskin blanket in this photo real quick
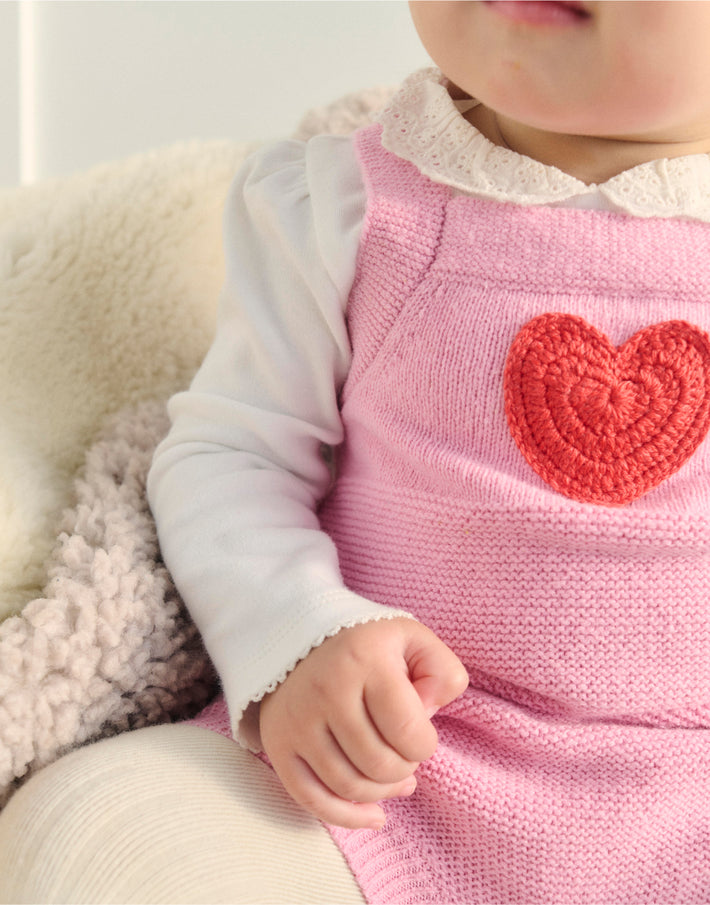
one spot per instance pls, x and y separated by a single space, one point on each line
109 282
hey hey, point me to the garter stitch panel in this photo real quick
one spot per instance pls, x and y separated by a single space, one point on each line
576 768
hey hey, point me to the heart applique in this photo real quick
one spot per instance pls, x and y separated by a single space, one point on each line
602 424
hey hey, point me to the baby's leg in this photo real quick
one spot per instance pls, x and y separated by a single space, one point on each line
169 814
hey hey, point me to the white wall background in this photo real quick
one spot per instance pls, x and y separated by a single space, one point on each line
9 95
85 81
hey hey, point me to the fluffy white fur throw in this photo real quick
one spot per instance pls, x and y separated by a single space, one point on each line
108 289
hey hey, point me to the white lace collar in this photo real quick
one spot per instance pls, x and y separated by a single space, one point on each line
423 125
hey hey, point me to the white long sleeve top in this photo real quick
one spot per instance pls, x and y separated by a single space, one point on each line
236 484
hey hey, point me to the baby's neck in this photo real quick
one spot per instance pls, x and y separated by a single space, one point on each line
590 159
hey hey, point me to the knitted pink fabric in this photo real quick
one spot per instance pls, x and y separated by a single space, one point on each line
576 768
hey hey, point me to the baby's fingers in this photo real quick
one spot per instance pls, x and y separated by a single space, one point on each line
305 787
436 672
396 710
344 778
365 748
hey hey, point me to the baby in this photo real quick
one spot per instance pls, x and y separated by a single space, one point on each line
480 651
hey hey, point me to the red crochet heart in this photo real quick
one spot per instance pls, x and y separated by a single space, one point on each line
601 424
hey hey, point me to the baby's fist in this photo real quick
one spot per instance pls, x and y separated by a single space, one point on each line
351 723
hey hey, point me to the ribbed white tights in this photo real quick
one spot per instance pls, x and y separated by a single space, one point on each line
169 814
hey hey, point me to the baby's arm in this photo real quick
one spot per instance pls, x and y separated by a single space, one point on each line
352 722
236 484
235 488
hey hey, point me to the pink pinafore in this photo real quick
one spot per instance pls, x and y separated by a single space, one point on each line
525 469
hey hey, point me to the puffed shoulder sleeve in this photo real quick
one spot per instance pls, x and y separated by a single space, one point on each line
236 484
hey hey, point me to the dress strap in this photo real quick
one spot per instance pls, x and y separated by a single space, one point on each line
401 234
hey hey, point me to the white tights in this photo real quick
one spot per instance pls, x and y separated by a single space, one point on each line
169 814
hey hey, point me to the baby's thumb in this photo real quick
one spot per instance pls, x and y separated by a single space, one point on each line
437 674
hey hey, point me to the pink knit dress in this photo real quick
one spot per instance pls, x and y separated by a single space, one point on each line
525 469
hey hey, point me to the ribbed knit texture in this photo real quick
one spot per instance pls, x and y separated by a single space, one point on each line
576 768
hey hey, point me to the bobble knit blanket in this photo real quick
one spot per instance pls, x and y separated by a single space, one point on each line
108 289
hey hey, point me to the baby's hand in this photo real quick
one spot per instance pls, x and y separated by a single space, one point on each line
351 723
